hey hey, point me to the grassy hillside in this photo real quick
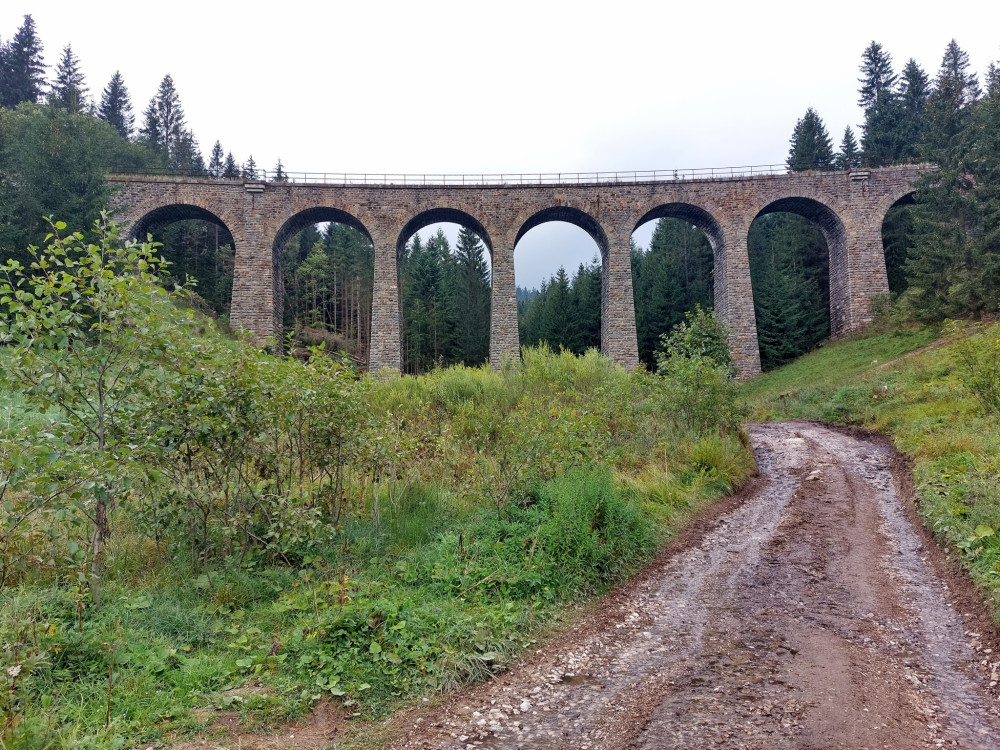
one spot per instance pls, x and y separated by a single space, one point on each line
936 391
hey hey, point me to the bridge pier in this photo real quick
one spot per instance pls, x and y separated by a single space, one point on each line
734 300
258 292
385 349
504 338
619 341
863 276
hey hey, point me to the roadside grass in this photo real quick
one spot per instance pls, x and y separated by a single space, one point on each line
433 578
933 406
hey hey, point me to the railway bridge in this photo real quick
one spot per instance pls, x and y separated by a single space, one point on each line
847 206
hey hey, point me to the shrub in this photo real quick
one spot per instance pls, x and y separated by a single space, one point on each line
87 325
593 531
701 335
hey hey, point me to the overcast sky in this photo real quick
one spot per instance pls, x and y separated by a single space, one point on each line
468 87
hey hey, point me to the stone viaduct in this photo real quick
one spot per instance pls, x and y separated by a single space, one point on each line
849 208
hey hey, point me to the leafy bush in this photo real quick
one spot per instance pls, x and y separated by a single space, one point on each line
697 371
86 324
701 335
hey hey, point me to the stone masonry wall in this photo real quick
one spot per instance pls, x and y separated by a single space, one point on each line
849 208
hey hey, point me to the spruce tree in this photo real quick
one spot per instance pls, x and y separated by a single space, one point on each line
954 266
558 322
948 112
216 161
810 144
116 106
877 79
849 156
231 170
955 83
164 125
471 299
22 77
993 81
586 297
913 91
881 136
789 270
186 155
4 46
69 90
279 172
983 161
250 169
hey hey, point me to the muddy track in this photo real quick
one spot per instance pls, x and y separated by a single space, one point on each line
811 615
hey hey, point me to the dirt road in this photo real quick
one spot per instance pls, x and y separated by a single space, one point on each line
810 616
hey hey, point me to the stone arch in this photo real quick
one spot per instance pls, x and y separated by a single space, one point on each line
903 197
571 215
317 215
213 280
894 231
691 213
360 323
834 232
816 211
473 325
705 221
439 215
612 319
167 214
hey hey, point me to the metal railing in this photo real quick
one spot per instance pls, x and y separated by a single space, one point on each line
472 180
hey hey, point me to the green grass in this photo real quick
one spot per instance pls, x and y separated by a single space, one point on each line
927 404
837 364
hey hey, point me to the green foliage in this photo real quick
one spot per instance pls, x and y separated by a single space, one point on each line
697 374
53 163
811 147
87 324
421 585
592 531
700 335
